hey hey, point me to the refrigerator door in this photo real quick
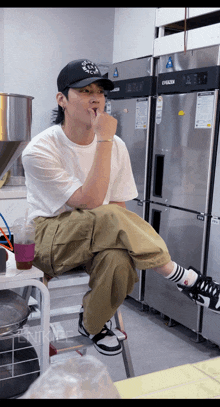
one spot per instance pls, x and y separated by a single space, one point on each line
184 234
210 320
136 206
216 190
182 153
133 123
137 293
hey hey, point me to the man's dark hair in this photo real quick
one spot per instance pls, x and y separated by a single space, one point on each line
58 114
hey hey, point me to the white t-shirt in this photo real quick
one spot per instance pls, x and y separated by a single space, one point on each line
55 168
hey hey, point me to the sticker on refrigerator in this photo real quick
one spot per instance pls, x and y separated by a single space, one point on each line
115 74
159 108
215 221
141 115
204 110
169 63
201 217
108 107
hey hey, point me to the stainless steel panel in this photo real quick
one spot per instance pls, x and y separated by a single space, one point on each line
184 234
211 321
186 153
136 207
136 293
136 140
15 127
197 58
9 152
216 191
134 68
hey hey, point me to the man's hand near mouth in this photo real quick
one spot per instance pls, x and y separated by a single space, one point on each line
103 125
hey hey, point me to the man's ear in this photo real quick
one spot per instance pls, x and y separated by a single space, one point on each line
61 99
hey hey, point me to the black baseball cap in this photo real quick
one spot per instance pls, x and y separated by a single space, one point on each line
80 73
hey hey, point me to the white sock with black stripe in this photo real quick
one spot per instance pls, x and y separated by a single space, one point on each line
182 276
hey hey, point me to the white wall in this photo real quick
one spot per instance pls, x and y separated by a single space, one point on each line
39 42
134 33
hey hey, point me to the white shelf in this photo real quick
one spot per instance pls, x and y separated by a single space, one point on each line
14 278
169 15
13 274
13 192
197 38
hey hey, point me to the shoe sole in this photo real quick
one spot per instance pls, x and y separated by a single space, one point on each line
82 332
103 352
197 303
107 353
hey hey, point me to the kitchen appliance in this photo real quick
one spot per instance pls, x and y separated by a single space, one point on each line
16 173
211 320
130 102
15 133
15 128
183 168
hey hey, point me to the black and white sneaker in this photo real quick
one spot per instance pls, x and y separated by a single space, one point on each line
204 292
106 342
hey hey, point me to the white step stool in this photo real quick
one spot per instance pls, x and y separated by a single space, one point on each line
78 281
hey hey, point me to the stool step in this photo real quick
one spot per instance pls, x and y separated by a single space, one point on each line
79 342
74 343
68 279
73 311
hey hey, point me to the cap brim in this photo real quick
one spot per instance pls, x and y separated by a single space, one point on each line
106 83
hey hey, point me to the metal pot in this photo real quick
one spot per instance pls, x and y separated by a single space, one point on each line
14 312
15 127
19 366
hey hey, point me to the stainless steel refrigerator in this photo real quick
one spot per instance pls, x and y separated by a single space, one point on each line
131 104
183 164
210 320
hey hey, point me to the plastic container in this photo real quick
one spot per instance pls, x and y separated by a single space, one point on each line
24 243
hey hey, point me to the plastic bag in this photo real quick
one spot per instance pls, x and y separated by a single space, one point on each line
76 378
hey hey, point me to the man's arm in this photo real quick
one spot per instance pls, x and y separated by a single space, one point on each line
92 193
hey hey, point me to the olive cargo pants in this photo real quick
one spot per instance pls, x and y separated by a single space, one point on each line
113 241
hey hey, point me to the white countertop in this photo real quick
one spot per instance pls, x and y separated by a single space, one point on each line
13 192
14 274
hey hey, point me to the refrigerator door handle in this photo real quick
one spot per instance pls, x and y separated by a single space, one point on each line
158 175
156 218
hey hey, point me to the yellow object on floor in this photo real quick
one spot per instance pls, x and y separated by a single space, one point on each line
199 380
5 178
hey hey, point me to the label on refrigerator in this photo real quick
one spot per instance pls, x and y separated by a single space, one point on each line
215 221
108 107
201 217
141 115
159 108
204 110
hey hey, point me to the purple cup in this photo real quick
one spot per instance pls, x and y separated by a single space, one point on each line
24 255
